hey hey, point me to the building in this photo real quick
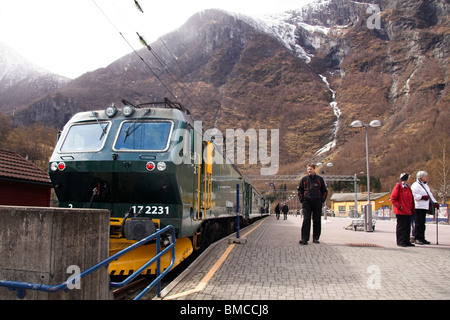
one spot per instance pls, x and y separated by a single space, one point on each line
344 203
22 183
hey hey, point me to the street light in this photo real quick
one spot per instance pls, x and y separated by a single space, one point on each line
329 165
372 124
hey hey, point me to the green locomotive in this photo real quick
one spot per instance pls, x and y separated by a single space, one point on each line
151 168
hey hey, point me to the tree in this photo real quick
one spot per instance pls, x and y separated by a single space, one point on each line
35 143
5 128
375 183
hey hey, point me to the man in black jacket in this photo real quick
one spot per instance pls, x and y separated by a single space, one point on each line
285 210
312 192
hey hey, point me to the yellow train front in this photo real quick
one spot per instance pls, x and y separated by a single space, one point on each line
151 167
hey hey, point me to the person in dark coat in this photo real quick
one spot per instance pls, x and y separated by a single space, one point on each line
403 201
312 193
277 210
285 210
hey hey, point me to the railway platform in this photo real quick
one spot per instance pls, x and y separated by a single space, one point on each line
346 265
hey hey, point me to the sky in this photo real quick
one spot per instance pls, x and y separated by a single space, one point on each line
71 37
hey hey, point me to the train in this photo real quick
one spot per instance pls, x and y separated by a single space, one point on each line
151 167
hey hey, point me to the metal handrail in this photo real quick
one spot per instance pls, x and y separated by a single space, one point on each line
22 286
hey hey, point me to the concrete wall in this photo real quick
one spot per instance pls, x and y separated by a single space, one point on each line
39 244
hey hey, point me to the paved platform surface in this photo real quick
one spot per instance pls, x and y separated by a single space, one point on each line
346 264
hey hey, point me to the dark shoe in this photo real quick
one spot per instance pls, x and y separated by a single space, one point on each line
426 241
303 242
401 245
421 242
410 244
316 241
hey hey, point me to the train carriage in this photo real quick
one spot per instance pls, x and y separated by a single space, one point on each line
151 168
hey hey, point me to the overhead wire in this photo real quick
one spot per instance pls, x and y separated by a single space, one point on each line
169 72
134 50
167 68
184 74
184 89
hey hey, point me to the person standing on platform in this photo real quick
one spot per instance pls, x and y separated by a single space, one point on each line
422 197
277 211
285 210
403 202
312 193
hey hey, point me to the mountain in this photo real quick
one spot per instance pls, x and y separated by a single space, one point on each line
309 72
396 72
22 82
244 78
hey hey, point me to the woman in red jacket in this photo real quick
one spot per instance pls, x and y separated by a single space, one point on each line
403 202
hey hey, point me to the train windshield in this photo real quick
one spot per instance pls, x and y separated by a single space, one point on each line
85 137
144 135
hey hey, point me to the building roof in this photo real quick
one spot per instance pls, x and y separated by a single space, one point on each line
15 167
344 197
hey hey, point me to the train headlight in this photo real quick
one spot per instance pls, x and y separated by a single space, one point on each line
111 111
150 166
161 166
127 111
54 166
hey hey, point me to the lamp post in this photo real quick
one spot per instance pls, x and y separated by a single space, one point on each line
329 165
372 124
356 194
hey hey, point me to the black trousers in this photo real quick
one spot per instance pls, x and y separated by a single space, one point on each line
419 224
403 229
311 209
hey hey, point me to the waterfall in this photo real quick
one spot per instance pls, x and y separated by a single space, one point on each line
337 112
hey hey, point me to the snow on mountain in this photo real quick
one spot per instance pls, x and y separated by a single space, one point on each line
284 30
16 68
303 30
22 81
311 29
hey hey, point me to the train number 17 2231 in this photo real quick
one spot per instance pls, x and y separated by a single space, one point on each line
150 210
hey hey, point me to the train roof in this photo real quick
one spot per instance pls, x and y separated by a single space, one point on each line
165 109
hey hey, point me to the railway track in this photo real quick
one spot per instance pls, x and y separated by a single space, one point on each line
130 290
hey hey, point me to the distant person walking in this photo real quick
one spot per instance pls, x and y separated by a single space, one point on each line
277 211
403 201
422 197
312 193
285 210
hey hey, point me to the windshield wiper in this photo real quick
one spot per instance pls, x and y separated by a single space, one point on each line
128 132
103 128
